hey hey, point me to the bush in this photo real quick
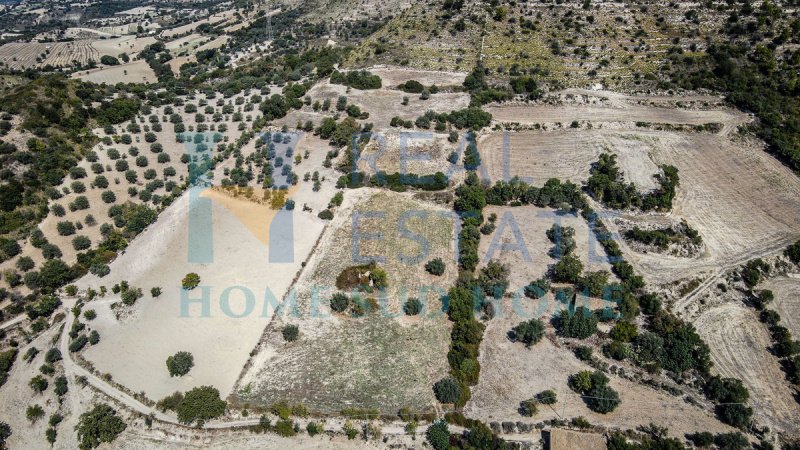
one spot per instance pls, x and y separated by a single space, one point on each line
190 281
180 364
435 266
412 307
200 404
547 397
65 228
580 323
108 197
325 214
529 333
290 333
340 302
438 435
97 426
447 390
81 243
528 408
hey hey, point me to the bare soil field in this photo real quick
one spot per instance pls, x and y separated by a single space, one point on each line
384 360
787 301
133 72
741 200
393 76
213 19
739 343
63 54
510 373
531 114
124 44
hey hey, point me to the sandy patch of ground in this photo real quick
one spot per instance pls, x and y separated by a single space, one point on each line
739 344
221 342
132 72
384 360
510 373
787 301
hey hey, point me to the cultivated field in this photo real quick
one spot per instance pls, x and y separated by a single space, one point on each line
739 348
787 301
384 360
63 54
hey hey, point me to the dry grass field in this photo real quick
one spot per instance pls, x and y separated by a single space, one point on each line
384 360
64 54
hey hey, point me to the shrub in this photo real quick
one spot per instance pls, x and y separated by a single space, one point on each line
435 266
580 323
180 364
25 263
529 333
583 353
65 228
340 302
155 292
547 397
34 413
447 390
190 281
90 314
38 384
438 435
108 197
412 307
81 243
528 408
325 214
97 426
290 333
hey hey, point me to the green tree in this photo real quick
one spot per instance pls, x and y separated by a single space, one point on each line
180 364
529 333
97 426
435 266
200 404
190 281
447 390
412 307
580 323
438 435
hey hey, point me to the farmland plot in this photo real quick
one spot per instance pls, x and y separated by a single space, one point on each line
384 360
739 348
787 301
